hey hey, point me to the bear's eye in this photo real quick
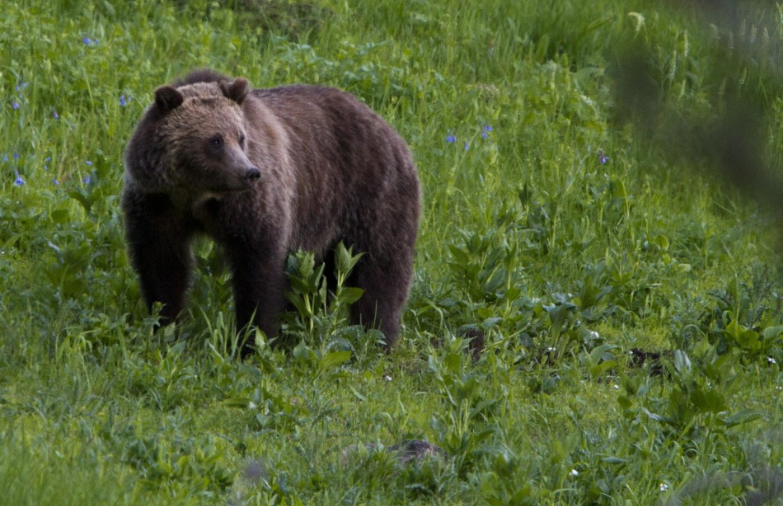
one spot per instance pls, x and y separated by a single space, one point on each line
216 141
242 140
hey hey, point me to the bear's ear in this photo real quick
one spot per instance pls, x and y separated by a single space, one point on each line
236 91
168 98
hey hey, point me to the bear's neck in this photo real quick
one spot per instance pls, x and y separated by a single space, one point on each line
199 206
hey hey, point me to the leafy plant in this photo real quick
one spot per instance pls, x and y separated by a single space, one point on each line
321 310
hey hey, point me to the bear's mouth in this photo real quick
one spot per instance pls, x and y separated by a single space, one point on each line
217 193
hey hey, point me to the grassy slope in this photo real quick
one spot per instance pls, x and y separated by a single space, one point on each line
526 233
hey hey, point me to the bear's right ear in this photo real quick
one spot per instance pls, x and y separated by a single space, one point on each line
236 91
168 98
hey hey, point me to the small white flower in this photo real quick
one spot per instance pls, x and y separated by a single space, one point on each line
664 487
551 349
595 334
617 387
771 360
251 405
387 377
574 472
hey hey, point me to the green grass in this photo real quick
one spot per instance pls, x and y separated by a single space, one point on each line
566 260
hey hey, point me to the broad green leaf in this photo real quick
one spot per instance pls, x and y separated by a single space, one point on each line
741 417
334 358
350 295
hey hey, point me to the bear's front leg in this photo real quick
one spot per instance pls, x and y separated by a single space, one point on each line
259 290
159 249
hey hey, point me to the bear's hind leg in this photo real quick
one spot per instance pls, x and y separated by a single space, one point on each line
385 284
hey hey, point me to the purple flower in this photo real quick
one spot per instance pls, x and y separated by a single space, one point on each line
487 128
55 115
15 105
602 158
485 135
87 40
5 158
16 156
19 181
123 102
451 138
466 146
87 180
55 182
89 162
48 159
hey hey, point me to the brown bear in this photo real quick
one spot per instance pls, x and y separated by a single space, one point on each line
264 172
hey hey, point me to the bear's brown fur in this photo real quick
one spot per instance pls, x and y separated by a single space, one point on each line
264 172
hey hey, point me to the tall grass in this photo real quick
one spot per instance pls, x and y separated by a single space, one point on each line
629 300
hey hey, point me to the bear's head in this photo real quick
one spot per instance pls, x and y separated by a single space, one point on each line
203 128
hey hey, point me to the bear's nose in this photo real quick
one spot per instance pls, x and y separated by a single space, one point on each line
252 174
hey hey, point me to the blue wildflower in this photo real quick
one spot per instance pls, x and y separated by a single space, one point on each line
123 102
48 159
485 135
602 158
5 158
89 162
15 105
488 128
451 138
55 182
16 156
55 115
466 146
19 181
87 179
87 40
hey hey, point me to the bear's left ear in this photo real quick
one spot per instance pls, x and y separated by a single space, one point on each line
236 91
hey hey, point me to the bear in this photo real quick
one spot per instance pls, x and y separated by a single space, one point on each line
264 172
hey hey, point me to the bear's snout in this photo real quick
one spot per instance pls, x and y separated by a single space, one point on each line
252 175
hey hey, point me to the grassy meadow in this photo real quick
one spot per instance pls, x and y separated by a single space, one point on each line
600 203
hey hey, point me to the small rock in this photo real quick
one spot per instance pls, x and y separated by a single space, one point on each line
404 452
415 449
